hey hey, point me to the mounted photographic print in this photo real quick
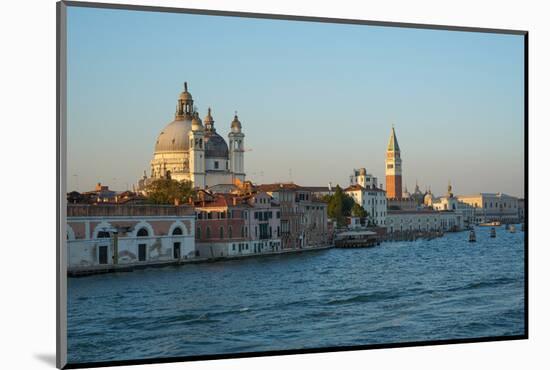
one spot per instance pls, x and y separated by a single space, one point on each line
236 184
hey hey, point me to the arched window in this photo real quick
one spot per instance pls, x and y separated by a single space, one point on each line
177 231
142 232
230 232
207 232
221 232
103 234
242 231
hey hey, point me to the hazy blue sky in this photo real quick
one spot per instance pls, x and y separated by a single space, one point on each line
315 100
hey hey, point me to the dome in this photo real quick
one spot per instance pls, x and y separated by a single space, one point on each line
236 124
174 137
196 123
185 95
215 146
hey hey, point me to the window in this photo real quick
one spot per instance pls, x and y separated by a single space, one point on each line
390 166
198 232
221 232
207 232
103 234
216 164
230 232
142 232
177 231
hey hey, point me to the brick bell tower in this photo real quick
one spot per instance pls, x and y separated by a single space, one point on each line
394 187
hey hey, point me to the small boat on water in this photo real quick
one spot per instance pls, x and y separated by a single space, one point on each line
356 239
472 237
512 229
492 223
493 232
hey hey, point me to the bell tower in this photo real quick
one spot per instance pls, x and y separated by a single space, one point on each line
236 149
394 187
197 160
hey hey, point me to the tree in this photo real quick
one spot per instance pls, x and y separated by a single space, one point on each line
167 191
339 205
358 211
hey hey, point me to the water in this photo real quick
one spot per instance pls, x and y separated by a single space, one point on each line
445 288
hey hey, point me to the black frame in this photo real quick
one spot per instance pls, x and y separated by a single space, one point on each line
61 145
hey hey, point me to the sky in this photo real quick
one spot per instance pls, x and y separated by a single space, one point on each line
315 100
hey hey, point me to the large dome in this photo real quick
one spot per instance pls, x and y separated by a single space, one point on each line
174 137
215 146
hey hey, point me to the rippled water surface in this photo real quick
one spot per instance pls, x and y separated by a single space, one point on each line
445 288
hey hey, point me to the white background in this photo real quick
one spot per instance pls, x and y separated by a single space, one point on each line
27 217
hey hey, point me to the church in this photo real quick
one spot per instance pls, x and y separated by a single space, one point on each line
190 149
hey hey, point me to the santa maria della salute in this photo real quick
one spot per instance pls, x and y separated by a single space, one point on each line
190 149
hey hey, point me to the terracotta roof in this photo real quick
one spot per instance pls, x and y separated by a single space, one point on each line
319 188
354 188
280 186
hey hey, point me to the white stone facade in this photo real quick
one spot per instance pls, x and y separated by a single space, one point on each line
424 220
493 207
373 200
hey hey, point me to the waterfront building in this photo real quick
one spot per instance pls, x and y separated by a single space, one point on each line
107 235
230 225
493 207
186 149
449 202
304 221
423 220
393 168
372 199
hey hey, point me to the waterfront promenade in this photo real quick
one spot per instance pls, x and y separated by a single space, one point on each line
102 269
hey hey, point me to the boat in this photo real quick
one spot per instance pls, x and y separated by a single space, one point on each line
493 232
492 223
472 237
356 239
512 229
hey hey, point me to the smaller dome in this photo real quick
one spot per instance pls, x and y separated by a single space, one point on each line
215 146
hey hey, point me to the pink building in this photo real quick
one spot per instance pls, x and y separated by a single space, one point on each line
231 225
102 236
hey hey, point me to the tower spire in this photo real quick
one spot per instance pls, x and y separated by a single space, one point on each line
393 145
